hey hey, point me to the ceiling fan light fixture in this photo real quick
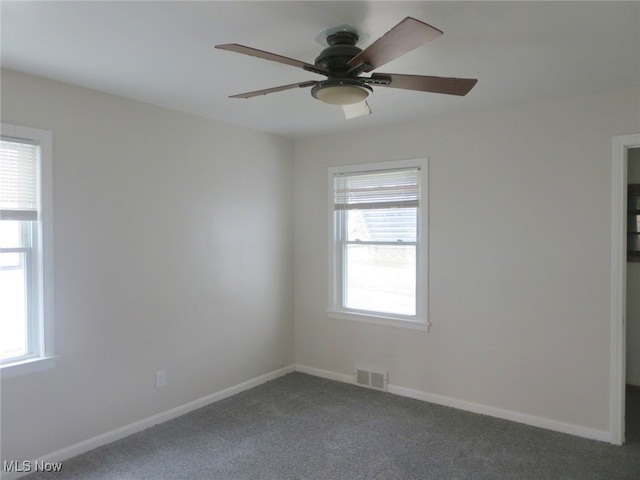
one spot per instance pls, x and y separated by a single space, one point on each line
341 92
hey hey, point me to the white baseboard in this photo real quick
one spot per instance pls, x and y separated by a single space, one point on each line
317 372
125 431
532 420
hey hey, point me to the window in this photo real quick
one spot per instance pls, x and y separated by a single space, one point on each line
378 248
26 320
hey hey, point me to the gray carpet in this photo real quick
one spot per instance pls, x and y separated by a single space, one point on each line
303 427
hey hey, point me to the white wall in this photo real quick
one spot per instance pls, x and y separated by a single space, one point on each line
520 242
170 253
633 291
173 250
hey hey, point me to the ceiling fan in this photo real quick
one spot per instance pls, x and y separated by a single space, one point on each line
342 62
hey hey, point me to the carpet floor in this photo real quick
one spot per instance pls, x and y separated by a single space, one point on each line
300 427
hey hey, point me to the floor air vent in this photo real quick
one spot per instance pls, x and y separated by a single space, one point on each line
371 379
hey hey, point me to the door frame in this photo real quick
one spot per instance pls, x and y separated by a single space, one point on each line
621 144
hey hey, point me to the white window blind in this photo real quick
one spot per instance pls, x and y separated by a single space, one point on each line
387 202
385 189
18 180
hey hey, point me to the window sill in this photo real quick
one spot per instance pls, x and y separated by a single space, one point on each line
379 320
27 367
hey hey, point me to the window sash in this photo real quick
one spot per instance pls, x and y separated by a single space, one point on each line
398 298
396 225
28 248
342 248
31 335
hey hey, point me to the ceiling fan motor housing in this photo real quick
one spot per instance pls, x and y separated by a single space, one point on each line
341 49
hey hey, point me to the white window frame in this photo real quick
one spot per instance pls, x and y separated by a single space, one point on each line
42 357
335 310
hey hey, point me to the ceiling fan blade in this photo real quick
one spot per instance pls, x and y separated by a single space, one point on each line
356 110
404 37
254 52
424 83
273 89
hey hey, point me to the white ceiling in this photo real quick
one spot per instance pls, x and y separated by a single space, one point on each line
163 53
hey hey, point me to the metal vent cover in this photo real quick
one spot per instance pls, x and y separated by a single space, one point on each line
376 379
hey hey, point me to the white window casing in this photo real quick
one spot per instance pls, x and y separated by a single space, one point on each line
26 209
378 243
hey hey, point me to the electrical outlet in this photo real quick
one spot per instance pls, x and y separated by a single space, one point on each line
161 378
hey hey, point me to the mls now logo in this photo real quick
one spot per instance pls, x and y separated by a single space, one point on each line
15 466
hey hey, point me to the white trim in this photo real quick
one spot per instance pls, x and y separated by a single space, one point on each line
620 146
126 430
328 374
27 367
511 415
46 236
504 414
378 320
